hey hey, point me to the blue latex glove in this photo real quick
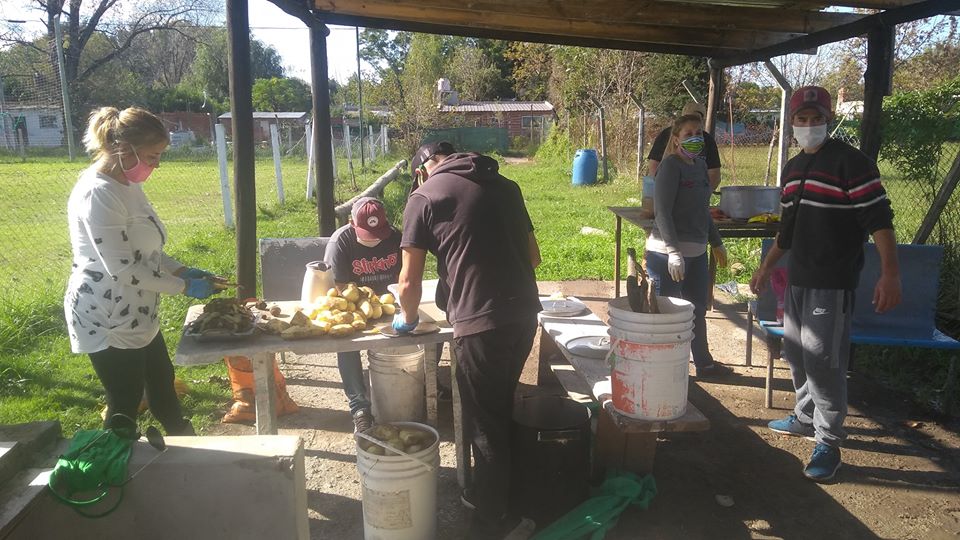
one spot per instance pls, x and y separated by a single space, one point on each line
199 288
195 273
403 327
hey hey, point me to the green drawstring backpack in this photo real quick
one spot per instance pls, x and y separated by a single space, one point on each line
95 464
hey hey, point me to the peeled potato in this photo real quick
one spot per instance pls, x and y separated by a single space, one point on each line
351 293
377 312
324 326
333 292
387 299
341 330
367 309
389 309
359 324
351 306
367 292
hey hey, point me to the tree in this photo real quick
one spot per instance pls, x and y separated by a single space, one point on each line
532 66
932 67
279 95
209 69
117 28
473 75
387 52
663 90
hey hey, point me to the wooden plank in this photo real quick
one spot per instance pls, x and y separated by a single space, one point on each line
714 97
537 22
632 452
889 18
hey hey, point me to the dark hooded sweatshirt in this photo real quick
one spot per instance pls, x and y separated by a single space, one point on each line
476 224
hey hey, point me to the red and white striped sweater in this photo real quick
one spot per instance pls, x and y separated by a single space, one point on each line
824 226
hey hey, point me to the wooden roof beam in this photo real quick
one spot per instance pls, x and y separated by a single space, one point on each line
428 12
478 32
889 18
813 4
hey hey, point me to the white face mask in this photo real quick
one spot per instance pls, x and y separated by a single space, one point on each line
811 136
368 243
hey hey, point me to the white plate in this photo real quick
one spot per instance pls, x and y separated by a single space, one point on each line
589 346
423 328
567 307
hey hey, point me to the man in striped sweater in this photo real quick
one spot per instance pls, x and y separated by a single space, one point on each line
832 201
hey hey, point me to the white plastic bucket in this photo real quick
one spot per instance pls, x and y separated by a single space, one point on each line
672 310
651 339
399 493
649 380
644 328
397 392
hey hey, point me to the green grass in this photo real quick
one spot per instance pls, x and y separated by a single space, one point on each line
40 378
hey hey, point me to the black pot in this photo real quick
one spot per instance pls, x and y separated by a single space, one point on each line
551 457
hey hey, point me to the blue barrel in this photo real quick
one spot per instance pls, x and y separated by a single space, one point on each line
585 164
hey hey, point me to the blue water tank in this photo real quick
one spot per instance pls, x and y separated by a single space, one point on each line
585 164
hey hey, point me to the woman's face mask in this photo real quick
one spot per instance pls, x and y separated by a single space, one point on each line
692 146
139 173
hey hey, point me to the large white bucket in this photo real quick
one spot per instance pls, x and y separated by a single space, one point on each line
397 392
649 380
672 310
399 493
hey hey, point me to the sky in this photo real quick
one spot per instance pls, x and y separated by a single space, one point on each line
270 25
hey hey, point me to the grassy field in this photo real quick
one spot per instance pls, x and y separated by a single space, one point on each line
41 379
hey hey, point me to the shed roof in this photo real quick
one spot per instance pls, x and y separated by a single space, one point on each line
266 115
732 31
499 106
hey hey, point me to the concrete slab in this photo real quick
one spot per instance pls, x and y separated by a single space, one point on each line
200 487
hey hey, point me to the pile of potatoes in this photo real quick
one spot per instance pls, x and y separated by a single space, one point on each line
351 310
406 439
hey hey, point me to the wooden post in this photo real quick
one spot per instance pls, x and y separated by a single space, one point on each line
876 84
241 110
322 146
277 169
640 141
713 100
786 123
603 137
221 139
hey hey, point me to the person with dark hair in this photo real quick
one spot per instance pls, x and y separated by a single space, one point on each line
676 248
710 154
475 222
365 251
832 201
119 269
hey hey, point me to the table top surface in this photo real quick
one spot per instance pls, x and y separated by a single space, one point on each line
642 219
193 352
596 373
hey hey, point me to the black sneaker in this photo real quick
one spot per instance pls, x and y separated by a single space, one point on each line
362 421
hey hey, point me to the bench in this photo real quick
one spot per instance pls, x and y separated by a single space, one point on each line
911 324
623 443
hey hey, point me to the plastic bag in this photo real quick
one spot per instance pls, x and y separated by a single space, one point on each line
95 462
778 282
598 514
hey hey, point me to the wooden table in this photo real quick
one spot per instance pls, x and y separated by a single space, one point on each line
262 349
622 442
728 229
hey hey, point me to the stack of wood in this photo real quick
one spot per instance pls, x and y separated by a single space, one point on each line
641 294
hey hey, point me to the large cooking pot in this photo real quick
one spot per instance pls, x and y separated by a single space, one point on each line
744 202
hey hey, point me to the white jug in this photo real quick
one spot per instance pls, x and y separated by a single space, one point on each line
317 280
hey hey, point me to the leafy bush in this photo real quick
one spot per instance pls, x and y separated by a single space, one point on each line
557 148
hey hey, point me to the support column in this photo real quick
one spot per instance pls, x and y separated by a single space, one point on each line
241 109
876 84
715 97
322 145
786 123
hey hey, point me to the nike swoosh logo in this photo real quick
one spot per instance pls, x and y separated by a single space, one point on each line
820 311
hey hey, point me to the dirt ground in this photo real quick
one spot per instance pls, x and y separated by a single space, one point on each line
900 476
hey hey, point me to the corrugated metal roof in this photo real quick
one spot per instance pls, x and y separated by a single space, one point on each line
260 115
499 106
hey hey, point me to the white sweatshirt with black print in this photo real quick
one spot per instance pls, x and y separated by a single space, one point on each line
119 267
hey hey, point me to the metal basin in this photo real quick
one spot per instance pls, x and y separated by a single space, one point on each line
744 202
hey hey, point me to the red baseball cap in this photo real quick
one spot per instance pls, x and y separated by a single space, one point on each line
370 219
814 97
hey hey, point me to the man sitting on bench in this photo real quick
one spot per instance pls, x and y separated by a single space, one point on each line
832 199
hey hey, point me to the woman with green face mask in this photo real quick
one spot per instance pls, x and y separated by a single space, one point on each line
676 248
